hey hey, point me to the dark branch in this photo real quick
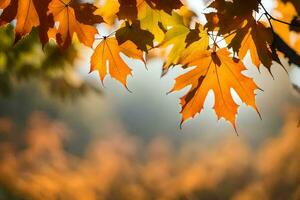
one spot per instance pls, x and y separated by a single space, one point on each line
270 17
278 42
288 52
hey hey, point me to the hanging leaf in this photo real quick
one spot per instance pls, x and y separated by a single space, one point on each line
219 72
180 38
28 14
141 38
106 59
257 39
74 19
165 5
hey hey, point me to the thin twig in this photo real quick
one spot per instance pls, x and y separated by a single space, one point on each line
270 17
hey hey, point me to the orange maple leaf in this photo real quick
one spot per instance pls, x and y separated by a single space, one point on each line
74 18
256 38
219 72
28 14
109 51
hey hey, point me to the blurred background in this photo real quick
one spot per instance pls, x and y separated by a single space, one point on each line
65 136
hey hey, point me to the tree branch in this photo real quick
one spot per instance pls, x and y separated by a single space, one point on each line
270 17
280 45
288 52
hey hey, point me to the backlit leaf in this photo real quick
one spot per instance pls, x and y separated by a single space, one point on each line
106 59
257 39
141 38
219 72
74 19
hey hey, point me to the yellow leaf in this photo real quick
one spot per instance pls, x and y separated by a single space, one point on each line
152 20
199 45
149 19
108 11
177 38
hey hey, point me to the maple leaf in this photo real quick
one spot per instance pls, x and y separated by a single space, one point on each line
123 9
257 39
195 43
223 23
186 15
230 15
17 10
85 12
180 38
166 5
219 72
156 21
150 13
28 14
175 37
109 51
74 18
141 38
46 21
150 20
108 11
133 9
235 7
127 9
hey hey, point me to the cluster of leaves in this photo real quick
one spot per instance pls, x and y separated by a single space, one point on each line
170 28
